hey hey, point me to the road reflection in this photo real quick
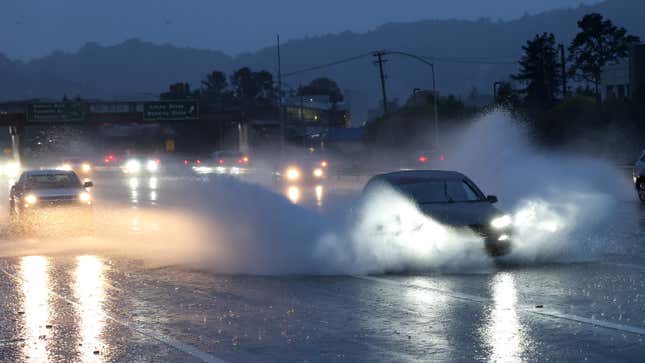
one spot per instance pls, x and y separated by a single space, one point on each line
137 187
320 193
302 194
34 271
89 290
293 193
504 334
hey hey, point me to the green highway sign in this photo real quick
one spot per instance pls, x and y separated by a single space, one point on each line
56 112
170 111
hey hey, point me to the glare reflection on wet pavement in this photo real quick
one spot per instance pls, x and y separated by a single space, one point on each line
34 272
95 307
89 290
503 332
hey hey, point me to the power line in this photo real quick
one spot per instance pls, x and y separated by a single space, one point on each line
465 61
327 65
484 60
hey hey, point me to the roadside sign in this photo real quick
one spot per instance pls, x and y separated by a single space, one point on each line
56 112
170 145
170 111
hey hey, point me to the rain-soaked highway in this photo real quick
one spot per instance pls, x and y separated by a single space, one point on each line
88 301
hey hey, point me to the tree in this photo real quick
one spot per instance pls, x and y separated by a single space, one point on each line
215 90
323 87
540 70
214 84
252 89
598 43
178 91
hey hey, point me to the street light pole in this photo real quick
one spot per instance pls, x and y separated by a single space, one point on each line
436 111
434 89
282 125
495 85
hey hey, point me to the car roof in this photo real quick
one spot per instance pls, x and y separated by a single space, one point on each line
420 174
46 172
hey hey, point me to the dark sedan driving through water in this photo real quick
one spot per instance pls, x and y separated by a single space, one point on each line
56 198
452 199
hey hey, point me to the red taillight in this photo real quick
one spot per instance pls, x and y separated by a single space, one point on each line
185 162
198 161
107 160
221 161
423 159
442 158
157 161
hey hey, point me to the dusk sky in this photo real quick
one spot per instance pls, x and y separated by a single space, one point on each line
31 28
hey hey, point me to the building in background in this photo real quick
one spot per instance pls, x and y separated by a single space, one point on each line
317 111
623 80
616 81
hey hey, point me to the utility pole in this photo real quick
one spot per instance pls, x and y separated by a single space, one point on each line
564 71
435 96
302 117
379 56
282 126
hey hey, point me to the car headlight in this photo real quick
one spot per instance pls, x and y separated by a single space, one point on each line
66 167
31 199
502 222
85 197
318 173
133 166
86 168
152 166
293 174
12 169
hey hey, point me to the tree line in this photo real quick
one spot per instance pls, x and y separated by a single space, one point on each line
252 92
560 96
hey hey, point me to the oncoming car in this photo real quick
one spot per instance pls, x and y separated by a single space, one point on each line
54 197
452 199
639 176
140 165
78 165
305 171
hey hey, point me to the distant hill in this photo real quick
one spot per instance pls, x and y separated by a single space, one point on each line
468 54
131 70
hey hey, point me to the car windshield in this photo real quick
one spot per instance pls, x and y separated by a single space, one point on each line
438 191
52 181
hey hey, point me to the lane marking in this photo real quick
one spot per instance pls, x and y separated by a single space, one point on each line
180 346
554 314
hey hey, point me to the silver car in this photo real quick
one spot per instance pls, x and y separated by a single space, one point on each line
51 198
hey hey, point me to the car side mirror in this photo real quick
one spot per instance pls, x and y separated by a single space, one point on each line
492 199
88 184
